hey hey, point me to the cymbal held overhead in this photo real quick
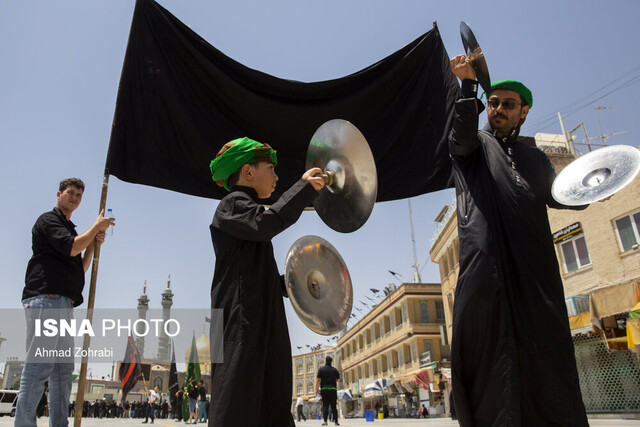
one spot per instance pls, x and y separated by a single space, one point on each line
476 56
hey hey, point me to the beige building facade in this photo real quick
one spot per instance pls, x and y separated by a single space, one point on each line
401 337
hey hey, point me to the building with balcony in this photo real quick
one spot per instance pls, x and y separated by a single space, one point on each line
396 354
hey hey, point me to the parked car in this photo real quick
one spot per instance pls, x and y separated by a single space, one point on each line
8 400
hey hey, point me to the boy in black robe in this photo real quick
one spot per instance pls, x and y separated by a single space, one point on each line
252 385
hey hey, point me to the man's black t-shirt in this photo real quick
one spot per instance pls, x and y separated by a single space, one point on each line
203 393
52 269
193 392
328 376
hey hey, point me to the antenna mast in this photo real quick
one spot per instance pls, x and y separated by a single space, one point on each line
416 273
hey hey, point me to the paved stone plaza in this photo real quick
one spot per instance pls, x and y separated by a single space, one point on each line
395 422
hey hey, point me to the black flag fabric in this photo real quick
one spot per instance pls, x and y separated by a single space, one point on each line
174 386
130 368
180 99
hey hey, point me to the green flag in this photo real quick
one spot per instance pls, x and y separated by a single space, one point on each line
193 373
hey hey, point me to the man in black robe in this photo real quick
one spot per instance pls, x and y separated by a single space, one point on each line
253 384
513 360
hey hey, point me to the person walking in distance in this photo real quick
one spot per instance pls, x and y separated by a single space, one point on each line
299 408
327 382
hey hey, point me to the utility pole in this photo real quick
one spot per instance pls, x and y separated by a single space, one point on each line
568 137
416 274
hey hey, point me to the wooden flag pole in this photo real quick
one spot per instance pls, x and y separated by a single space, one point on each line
144 382
92 296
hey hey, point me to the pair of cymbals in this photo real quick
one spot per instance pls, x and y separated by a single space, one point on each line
317 279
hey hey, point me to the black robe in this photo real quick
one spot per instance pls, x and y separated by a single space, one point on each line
513 361
252 386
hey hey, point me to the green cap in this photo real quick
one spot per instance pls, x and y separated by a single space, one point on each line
236 153
515 86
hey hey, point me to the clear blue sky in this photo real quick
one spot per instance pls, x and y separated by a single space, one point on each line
60 64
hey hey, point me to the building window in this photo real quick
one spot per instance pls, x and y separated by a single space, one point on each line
310 388
310 368
439 311
299 389
320 362
299 369
424 312
445 266
628 234
575 254
404 312
158 382
428 347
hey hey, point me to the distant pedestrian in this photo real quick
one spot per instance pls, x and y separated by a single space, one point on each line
202 402
193 394
300 407
327 382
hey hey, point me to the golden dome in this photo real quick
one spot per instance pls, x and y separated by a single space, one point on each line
204 354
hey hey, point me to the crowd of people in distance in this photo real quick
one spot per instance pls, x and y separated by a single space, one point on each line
112 409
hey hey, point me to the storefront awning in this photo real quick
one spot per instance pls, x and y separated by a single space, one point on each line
419 378
614 299
375 388
345 394
422 378
633 333
580 323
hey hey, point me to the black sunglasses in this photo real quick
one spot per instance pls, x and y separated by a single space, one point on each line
507 105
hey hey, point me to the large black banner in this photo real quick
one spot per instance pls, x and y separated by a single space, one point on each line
180 99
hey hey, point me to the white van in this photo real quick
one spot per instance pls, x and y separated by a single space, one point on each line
8 400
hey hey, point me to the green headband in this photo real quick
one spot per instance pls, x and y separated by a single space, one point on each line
236 153
515 86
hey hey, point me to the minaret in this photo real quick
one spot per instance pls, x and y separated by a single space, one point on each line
143 307
164 342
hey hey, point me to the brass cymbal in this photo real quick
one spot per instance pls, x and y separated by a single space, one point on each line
319 285
342 152
596 175
476 56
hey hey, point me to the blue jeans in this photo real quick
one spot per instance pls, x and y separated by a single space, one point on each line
202 410
151 412
57 370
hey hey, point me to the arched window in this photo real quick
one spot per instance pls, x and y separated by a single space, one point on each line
310 368
299 369
320 362
158 382
310 388
299 388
